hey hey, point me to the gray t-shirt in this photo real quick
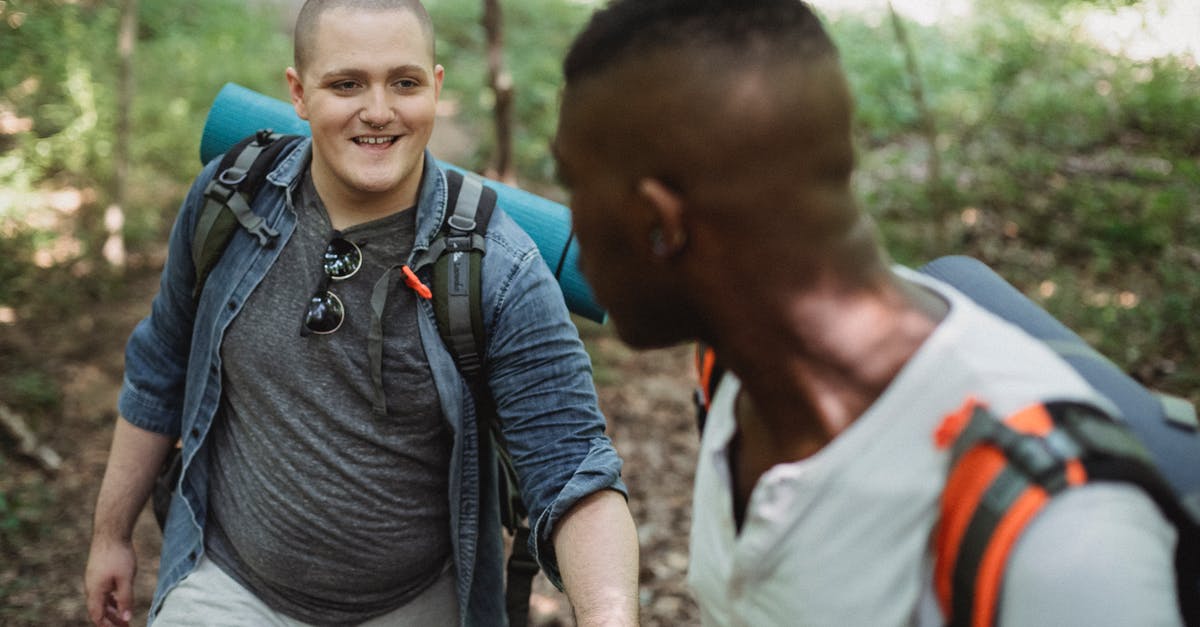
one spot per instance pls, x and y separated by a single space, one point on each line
326 512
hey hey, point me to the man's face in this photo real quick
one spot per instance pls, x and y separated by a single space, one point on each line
612 224
369 91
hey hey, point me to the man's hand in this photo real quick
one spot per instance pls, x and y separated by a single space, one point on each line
108 582
133 462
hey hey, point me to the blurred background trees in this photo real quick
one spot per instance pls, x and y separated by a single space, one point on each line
1059 140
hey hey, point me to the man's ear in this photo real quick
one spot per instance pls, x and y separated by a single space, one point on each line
669 235
439 75
296 89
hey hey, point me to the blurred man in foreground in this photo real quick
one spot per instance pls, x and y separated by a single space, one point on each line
706 145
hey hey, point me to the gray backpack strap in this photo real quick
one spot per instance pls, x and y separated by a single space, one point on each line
227 200
459 251
458 304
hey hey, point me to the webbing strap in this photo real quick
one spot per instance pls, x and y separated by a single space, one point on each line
462 219
462 270
233 187
458 264
521 569
1002 475
1179 411
379 294
708 371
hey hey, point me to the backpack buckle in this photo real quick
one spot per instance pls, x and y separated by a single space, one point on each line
1041 461
264 136
458 244
232 176
461 223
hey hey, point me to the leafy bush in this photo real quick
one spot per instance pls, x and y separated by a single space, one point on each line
1072 171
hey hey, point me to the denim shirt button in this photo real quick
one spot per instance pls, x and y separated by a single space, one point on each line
192 556
195 433
231 305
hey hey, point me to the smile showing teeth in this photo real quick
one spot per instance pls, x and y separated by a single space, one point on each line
374 140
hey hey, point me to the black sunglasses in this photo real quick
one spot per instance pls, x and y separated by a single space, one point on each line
341 260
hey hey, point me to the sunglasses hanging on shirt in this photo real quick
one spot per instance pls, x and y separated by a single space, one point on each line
341 260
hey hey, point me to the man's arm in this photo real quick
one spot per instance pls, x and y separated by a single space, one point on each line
133 463
597 547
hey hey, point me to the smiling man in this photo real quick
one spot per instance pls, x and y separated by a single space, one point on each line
332 476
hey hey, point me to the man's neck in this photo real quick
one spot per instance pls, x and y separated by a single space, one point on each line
812 367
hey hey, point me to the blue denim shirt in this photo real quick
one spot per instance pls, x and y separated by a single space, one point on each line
536 367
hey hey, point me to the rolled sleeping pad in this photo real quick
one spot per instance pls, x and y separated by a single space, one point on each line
1166 425
238 112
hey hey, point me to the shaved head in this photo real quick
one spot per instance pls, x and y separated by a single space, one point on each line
706 136
311 12
763 29
734 102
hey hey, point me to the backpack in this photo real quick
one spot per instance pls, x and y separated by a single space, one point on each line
456 295
1002 472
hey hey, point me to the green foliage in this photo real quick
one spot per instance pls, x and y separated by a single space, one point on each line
537 34
51 74
188 51
24 502
1159 99
16 251
61 67
1070 169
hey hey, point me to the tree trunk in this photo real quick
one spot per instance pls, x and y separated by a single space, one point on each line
114 216
928 125
501 83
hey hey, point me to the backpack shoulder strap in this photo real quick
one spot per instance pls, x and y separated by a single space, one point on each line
709 371
1004 472
457 297
458 250
1167 426
228 198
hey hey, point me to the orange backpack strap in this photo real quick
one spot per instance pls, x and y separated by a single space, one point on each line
707 371
708 375
1002 474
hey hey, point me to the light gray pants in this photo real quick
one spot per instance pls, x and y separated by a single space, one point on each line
209 597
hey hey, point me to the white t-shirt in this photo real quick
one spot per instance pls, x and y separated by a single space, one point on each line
843 538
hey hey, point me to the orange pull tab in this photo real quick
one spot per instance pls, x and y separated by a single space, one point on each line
411 280
953 424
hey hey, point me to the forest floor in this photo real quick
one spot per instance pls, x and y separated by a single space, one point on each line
645 395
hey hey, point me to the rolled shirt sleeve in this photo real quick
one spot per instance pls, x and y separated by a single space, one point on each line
541 379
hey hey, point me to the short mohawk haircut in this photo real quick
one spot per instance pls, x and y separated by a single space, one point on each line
629 27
